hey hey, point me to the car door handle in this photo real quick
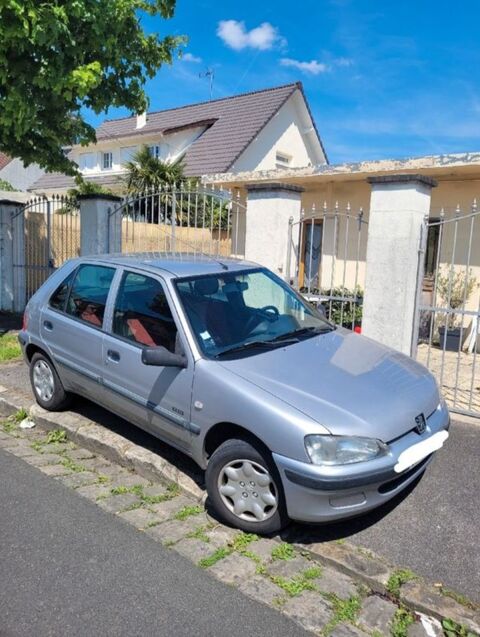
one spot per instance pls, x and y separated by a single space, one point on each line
48 325
113 356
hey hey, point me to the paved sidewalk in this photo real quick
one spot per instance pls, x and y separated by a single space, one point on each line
297 582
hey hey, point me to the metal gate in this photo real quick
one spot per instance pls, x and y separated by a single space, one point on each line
326 258
448 305
183 219
48 233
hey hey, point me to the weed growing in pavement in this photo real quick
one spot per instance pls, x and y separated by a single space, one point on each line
402 619
215 557
283 551
453 629
20 415
459 598
73 466
152 524
399 577
9 425
56 435
37 445
313 572
293 586
102 479
344 610
187 512
199 534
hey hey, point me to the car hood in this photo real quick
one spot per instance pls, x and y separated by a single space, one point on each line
346 382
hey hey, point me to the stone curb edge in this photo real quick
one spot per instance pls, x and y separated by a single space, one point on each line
345 557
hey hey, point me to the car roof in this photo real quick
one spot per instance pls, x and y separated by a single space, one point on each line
176 264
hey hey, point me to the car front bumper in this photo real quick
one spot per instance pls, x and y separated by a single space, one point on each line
316 493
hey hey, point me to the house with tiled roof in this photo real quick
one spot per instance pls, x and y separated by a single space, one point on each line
261 130
16 174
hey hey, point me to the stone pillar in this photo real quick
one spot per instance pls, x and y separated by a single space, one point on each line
100 225
399 205
12 257
271 209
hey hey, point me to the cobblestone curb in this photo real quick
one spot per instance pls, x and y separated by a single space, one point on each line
331 588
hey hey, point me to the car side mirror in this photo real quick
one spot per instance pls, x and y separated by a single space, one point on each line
161 357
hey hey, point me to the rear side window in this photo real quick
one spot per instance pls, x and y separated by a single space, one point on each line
59 297
142 313
89 293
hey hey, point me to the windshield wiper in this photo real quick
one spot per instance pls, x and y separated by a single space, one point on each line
254 344
300 331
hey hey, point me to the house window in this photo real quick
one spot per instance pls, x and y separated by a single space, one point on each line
127 153
159 151
86 161
107 160
282 160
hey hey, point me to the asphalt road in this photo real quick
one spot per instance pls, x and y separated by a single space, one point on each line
69 568
432 528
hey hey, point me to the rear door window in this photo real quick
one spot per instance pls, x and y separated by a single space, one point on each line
142 313
89 293
59 297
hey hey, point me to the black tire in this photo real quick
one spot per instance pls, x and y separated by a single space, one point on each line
59 399
232 452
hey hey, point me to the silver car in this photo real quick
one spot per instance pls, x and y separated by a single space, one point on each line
290 416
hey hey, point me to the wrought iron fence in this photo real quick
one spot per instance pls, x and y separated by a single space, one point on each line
326 261
449 305
48 233
198 220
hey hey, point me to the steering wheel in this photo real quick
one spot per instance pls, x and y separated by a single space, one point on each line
268 313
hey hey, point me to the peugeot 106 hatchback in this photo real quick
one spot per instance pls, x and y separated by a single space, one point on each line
292 417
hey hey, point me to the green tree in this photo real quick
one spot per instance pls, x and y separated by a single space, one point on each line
6 185
146 173
58 58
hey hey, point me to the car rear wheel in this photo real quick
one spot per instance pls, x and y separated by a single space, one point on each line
46 384
245 488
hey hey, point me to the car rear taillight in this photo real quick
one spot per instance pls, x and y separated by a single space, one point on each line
25 321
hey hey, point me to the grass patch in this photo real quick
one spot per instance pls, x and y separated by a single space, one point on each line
283 551
9 347
215 557
73 466
9 426
344 610
56 435
20 415
173 489
136 489
200 534
400 622
312 573
459 598
241 541
187 512
102 479
152 524
453 629
398 578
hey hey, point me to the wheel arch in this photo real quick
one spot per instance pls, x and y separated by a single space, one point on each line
223 431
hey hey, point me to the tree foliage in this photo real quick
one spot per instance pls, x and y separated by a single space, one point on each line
147 173
58 58
6 186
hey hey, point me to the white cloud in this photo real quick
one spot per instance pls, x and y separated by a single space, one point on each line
189 57
313 67
235 35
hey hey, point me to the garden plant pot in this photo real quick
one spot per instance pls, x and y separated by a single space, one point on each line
451 342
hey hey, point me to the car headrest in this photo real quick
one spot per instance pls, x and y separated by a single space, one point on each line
205 287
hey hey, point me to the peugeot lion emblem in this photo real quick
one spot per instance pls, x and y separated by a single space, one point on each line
421 424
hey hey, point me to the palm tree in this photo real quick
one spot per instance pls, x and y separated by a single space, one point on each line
146 173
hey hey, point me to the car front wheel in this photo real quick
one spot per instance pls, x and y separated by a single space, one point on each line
245 489
46 384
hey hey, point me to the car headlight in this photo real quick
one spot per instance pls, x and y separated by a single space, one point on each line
338 450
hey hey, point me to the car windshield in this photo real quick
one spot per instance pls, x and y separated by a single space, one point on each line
250 310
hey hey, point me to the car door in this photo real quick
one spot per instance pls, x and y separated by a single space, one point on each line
156 398
71 326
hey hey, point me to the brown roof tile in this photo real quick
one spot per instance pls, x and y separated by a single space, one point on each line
4 160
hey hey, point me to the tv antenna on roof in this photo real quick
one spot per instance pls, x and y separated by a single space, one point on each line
210 73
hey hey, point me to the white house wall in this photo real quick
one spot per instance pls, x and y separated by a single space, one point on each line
283 134
123 149
20 177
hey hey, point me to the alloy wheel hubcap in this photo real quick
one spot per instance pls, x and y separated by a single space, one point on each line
248 491
43 380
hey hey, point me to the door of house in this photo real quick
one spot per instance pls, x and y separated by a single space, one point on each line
311 255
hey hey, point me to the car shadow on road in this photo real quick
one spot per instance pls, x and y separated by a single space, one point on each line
138 436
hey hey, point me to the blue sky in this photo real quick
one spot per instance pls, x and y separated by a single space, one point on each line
383 78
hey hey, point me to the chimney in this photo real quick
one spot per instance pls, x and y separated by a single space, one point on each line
141 119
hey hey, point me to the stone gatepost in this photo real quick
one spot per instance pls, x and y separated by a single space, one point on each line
100 225
272 209
12 257
399 205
